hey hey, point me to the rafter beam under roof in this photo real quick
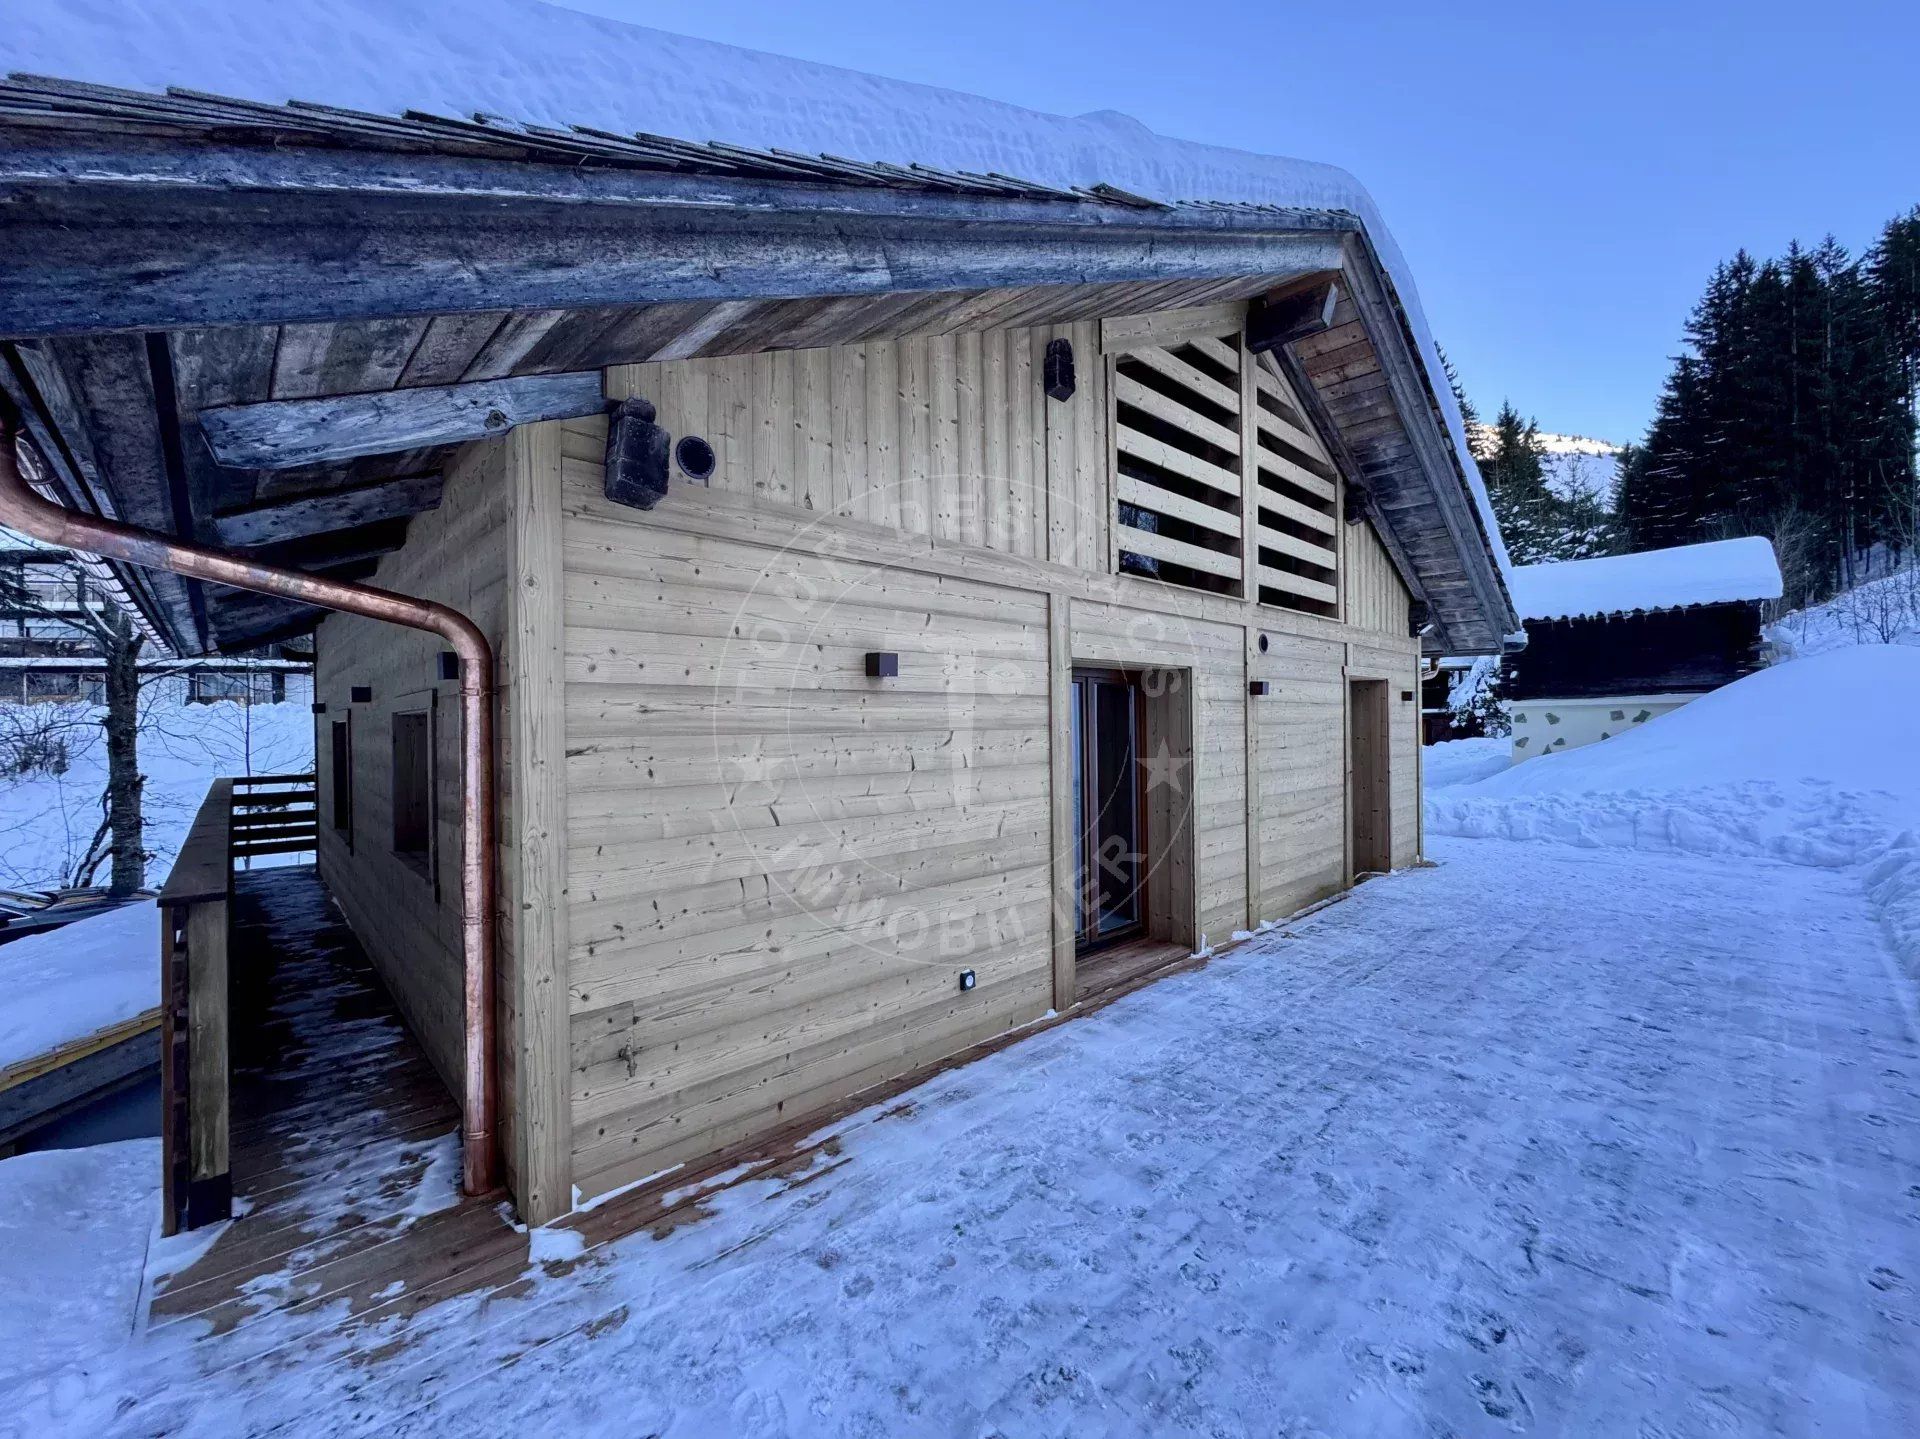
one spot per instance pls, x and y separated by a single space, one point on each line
344 509
289 434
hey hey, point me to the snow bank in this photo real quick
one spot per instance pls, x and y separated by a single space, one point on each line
71 982
544 65
1712 573
74 1225
1462 761
1811 762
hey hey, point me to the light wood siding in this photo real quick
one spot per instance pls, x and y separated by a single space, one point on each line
774 868
938 435
491 551
777 866
1301 747
409 919
1377 597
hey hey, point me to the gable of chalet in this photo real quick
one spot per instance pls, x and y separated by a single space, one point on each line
180 262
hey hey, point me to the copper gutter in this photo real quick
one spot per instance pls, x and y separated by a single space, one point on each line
25 510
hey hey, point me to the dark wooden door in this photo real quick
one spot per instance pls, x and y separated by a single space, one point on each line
1369 795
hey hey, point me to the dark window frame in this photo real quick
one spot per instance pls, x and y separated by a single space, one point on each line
412 788
340 777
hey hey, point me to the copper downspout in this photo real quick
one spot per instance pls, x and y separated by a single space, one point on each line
23 509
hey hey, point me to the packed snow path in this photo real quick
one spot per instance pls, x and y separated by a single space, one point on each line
1543 1140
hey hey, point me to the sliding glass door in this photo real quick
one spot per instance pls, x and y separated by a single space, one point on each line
1109 847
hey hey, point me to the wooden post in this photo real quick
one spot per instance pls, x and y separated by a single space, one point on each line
1060 798
209 1196
195 1057
539 1137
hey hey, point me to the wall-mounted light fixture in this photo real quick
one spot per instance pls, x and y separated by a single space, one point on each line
449 665
882 665
360 695
1056 370
1257 688
967 980
319 709
636 456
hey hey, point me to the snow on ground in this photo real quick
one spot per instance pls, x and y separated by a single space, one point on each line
1881 611
1812 762
47 820
74 1228
70 982
1544 1139
1462 761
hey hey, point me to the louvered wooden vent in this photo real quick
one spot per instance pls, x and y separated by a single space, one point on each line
1297 502
1179 435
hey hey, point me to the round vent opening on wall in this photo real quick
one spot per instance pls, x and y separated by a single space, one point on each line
695 457
1263 644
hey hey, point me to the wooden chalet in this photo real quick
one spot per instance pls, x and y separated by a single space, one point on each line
922 599
1619 640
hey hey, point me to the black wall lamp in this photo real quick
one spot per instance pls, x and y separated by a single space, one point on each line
360 695
882 665
636 456
1056 370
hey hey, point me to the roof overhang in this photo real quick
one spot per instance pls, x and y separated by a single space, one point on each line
166 256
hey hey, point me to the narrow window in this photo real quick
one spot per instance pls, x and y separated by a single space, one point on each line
412 786
342 776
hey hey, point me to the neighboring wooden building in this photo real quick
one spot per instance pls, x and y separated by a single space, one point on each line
1033 590
1617 641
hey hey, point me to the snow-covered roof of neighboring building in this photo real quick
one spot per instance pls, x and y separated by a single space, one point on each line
540 64
1719 572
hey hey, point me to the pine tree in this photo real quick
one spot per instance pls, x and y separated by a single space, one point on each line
1792 412
1514 467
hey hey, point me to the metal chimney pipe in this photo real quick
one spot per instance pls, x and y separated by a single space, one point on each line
25 510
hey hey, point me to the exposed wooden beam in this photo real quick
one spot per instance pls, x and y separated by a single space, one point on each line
1292 314
286 434
330 510
100 391
248 622
337 547
112 233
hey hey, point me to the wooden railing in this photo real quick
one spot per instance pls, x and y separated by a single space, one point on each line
240 820
195 902
274 814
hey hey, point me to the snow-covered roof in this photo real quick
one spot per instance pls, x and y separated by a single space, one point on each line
1719 572
539 64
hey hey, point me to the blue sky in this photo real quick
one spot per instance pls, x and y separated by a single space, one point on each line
1561 177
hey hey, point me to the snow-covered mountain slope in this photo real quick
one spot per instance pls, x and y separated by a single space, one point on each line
1573 462
1882 611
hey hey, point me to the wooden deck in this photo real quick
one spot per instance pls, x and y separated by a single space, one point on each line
1106 969
351 1237
345 1144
